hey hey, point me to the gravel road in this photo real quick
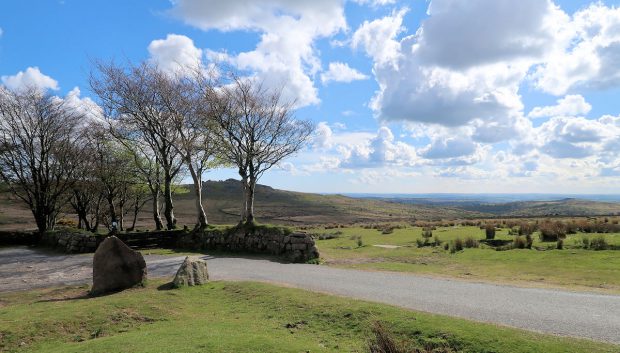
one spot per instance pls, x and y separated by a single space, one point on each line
587 315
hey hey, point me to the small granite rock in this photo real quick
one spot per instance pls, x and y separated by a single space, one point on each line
193 272
116 267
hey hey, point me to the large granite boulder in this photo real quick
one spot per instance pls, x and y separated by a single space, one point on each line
193 272
116 267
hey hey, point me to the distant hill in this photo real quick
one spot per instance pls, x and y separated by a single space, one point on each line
561 207
223 202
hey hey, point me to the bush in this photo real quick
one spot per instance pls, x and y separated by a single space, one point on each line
527 228
383 341
388 230
427 232
528 241
490 231
65 222
471 243
419 243
599 243
436 241
456 245
360 242
446 246
328 236
560 244
519 243
552 231
585 242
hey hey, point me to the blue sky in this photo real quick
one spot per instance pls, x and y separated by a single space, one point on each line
408 96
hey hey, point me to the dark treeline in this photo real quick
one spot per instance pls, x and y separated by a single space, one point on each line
151 129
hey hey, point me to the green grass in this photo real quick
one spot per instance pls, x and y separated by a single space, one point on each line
572 267
239 317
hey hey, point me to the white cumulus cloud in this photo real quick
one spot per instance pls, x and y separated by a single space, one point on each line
570 105
32 77
341 72
285 55
378 37
175 53
590 53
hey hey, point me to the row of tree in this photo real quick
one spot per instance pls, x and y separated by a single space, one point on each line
150 130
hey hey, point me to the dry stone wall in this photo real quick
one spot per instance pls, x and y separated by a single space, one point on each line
72 241
294 247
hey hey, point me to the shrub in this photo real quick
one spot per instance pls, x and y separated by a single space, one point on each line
490 231
360 242
419 243
446 246
383 342
599 243
585 242
427 232
65 222
526 228
388 230
552 231
519 243
560 244
329 236
456 245
471 243
528 241
436 241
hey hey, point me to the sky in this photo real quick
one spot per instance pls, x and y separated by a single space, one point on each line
441 96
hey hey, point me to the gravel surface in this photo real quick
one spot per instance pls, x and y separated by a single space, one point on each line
577 314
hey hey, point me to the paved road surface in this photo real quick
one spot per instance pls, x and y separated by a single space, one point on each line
586 315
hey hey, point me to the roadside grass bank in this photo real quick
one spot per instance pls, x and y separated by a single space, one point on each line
241 317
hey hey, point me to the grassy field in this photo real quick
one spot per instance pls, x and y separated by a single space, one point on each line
241 317
572 267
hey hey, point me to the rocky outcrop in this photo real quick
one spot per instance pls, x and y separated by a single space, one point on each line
193 272
294 247
116 267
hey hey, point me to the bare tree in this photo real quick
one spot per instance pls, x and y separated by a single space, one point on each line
181 98
129 96
258 130
39 151
149 172
86 201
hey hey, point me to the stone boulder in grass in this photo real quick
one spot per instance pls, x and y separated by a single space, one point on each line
193 272
116 267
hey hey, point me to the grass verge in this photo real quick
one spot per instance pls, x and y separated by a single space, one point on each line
240 317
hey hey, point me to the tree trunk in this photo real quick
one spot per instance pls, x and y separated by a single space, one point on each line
249 214
97 220
121 217
110 199
40 220
244 205
169 206
136 209
200 211
156 216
